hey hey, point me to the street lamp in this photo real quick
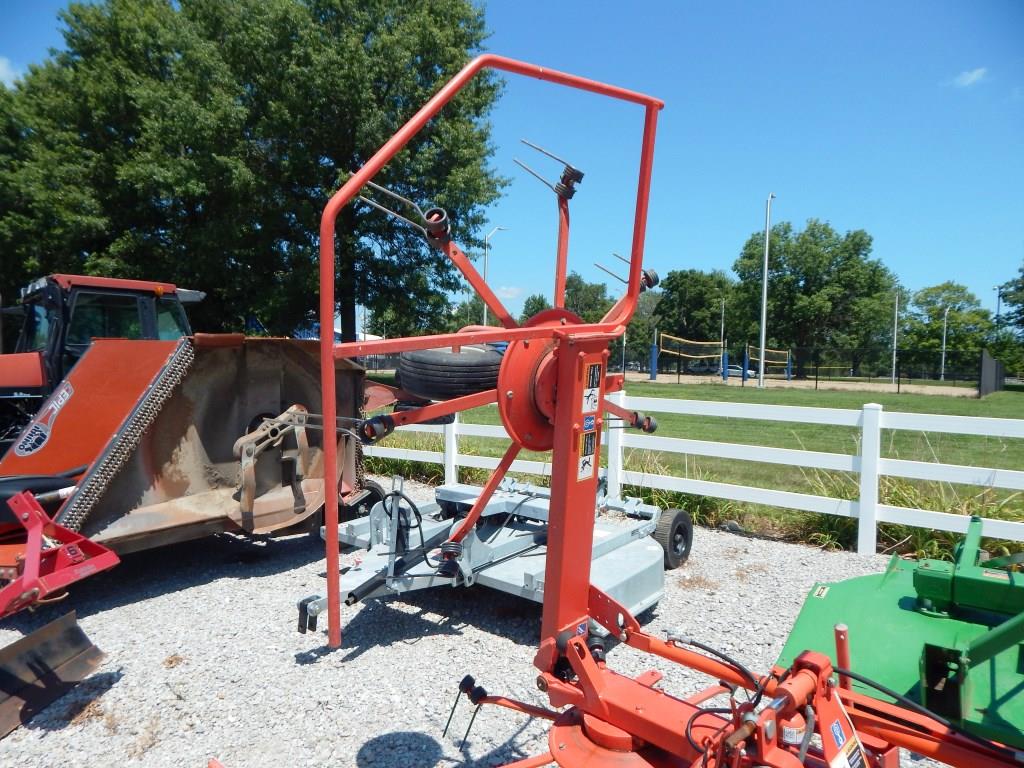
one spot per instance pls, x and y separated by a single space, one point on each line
764 287
487 246
942 365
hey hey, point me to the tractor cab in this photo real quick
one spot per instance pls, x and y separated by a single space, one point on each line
60 316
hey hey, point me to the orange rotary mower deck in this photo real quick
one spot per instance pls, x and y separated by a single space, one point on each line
552 384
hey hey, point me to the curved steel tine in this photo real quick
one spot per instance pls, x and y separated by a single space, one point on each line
544 181
388 211
543 151
621 258
605 269
397 196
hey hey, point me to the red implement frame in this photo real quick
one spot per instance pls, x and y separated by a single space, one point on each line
50 566
612 720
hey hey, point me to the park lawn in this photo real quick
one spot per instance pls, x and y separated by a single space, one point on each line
946 448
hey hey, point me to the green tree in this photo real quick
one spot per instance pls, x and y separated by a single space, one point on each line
534 304
198 141
824 289
968 327
588 300
1012 293
469 311
691 304
641 328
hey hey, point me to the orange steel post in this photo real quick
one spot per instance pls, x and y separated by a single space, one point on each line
581 365
562 254
842 633
328 350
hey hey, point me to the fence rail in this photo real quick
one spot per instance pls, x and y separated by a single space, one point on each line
869 465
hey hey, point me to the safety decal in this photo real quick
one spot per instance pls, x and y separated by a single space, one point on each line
592 393
588 423
837 734
40 428
821 591
588 446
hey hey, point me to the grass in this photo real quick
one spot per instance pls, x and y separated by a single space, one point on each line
821 530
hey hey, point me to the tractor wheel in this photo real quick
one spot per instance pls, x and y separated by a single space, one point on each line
440 374
675 534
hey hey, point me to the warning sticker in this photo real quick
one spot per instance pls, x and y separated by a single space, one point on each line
592 393
588 444
588 423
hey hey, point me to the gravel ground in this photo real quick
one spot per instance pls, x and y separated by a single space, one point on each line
203 659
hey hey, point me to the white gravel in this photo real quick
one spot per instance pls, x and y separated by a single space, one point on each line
203 657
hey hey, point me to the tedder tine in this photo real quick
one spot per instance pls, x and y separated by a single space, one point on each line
41 667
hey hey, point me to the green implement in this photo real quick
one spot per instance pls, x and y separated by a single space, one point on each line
949 636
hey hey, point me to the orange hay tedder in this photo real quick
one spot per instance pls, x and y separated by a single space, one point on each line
551 393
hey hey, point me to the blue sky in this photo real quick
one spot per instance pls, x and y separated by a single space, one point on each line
905 119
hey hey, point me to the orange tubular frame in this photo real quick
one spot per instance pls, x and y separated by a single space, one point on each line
613 322
619 707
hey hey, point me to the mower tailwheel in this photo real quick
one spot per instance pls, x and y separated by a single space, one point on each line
440 374
675 534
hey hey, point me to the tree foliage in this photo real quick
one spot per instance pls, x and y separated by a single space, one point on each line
197 141
824 289
1012 293
588 300
534 304
691 305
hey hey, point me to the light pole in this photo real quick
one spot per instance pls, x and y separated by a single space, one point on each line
487 246
721 341
942 365
999 301
764 287
895 327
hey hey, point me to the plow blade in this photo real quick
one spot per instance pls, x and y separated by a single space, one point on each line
39 668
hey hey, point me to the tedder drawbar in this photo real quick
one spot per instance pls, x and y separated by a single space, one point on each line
551 394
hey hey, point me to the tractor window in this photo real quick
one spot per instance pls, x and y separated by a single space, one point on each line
37 329
170 320
104 316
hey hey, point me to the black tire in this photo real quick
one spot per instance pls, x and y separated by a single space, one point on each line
675 534
440 374
376 494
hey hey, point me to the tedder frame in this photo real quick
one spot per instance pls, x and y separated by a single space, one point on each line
551 395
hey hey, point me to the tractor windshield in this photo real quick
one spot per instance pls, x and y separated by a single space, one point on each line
170 319
104 316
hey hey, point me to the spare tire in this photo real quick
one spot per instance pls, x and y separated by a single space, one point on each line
440 374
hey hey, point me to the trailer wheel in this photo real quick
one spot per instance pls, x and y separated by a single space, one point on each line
675 534
440 374
376 494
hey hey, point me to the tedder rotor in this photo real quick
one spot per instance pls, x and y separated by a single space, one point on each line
551 393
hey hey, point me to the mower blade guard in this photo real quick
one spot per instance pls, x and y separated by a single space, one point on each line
39 668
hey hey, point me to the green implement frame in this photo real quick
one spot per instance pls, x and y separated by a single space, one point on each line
948 635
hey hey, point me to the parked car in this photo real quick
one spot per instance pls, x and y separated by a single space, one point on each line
737 371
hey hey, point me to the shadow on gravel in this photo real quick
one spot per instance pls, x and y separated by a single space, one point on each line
401 748
143 575
79 704
404 748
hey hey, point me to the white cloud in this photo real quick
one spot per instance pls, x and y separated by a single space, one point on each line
508 292
970 77
8 72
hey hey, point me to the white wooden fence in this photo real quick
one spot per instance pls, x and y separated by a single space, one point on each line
868 464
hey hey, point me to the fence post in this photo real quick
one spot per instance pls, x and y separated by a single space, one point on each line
615 450
870 451
451 451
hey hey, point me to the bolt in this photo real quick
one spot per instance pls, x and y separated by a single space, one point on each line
24 515
509 394
561 320
542 684
526 343
561 746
